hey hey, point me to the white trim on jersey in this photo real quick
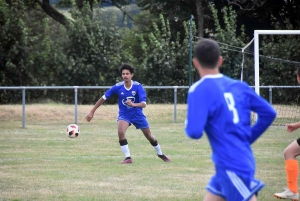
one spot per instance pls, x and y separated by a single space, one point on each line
104 97
239 184
214 76
129 87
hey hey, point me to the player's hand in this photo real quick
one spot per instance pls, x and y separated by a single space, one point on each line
129 103
291 127
89 117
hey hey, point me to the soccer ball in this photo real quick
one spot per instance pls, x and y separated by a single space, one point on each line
72 130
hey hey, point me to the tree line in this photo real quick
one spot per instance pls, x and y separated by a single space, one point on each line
41 47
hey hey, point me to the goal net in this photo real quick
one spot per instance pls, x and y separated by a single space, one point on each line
268 63
275 55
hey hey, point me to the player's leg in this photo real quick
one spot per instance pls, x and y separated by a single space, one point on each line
147 133
291 168
212 197
292 171
253 198
140 122
122 127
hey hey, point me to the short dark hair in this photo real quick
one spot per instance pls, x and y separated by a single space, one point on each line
207 52
126 67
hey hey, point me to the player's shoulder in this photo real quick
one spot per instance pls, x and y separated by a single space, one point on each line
135 83
240 84
119 84
205 82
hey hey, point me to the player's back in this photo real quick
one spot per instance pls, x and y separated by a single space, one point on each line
227 120
229 128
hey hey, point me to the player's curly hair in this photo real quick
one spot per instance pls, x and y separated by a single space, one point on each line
126 67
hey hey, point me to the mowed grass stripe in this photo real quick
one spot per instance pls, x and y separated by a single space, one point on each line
42 163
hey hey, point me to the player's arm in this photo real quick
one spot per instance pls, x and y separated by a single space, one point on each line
98 104
265 115
197 113
292 127
107 94
142 97
141 104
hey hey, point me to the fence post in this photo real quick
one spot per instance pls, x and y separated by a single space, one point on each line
23 107
76 101
175 103
270 95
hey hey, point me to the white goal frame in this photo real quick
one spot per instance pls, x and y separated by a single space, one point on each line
256 48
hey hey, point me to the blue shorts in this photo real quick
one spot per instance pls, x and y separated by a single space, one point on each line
138 120
233 187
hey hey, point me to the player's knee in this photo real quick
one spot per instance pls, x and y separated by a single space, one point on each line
288 154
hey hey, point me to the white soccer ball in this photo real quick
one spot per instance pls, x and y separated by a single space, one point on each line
72 130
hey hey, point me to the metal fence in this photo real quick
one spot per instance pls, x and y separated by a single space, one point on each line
76 88
276 87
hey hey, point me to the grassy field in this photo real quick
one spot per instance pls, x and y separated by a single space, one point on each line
42 163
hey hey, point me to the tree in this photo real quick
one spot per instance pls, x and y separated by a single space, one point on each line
229 32
30 50
200 17
272 72
57 16
94 52
178 11
247 5
283 12
160 56
35 50
13 44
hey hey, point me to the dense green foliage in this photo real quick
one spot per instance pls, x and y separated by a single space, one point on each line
232 59
162 59
36 50
273 71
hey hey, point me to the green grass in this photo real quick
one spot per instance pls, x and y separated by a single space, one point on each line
42 163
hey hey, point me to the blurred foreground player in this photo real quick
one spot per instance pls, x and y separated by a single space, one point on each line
131 101
291 163
222 107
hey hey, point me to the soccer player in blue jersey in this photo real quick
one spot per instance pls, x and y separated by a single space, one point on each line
131 101
222 107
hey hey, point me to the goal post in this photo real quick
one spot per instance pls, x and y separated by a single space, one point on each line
256 49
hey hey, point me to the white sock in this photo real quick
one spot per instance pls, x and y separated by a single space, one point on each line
158 150
125 149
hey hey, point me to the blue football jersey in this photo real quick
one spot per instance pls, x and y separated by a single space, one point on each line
135 93
222 107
